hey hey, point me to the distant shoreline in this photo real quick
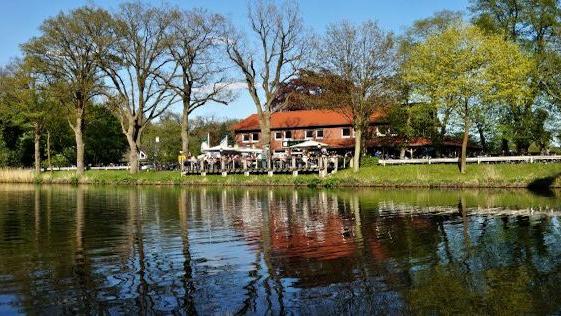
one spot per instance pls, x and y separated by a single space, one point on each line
537 175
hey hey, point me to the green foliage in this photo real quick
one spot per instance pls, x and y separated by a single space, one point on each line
4 154
105 141
60 160
466 72
168 130
462 65
524 127
202 127
369 161
413 120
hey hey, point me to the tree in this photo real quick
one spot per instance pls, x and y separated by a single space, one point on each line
278 53
466 70
28 102
415 35
194 47
67 53
534 25
363 57
137 70
105 142
412 121
168 131
531 23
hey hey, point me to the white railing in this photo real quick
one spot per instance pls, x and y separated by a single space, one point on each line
499 159
91 168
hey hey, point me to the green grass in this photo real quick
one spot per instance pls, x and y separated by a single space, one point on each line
499 175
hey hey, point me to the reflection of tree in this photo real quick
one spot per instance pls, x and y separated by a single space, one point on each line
82 264
271 251
143 299
188 285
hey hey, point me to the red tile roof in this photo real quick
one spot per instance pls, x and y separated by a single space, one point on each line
299 119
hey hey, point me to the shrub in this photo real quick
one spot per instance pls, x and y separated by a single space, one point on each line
369 161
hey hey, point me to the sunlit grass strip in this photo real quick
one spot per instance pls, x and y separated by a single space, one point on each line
477 176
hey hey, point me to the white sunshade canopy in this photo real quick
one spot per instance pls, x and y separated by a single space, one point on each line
309 144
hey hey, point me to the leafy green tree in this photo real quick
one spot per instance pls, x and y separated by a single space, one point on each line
105 142
29 102
465 70
534 25
168 131
531 131
415 35
410 121
67 52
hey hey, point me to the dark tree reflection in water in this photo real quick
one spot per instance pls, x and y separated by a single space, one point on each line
158 250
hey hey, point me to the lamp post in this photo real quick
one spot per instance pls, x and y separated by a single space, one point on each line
156 150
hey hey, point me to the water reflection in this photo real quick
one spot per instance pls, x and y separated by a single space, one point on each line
198 251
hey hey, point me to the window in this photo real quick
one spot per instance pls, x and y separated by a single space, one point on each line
309 134
278 135
245 138
255 137
288 135
346 132
319 133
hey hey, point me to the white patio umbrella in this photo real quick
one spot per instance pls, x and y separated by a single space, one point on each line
309 144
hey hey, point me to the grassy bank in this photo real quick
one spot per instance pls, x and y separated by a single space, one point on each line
499 175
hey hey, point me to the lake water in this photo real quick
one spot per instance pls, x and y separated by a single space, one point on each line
111 249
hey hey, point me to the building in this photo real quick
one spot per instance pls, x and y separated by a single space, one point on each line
334 129
292 127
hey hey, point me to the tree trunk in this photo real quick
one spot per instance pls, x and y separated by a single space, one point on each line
134 163
133 133
49 151
482 139
185 128
358 145
463 155
265 125
79 143
37 149
402 153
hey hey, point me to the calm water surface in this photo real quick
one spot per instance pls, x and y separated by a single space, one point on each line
153 250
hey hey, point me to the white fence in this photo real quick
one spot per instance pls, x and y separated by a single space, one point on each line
478 160
91 168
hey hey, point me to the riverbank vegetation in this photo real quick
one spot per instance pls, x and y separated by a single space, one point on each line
487 77
477 176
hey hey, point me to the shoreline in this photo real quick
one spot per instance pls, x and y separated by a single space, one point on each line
492 176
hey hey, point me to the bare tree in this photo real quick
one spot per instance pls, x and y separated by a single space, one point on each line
364 57
138 70
194 48
67 51
275 58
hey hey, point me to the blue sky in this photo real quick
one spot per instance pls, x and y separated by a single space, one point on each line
20 20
